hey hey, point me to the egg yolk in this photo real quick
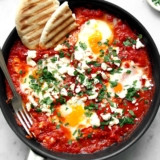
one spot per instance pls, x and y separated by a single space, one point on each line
118 88
94 42
75 116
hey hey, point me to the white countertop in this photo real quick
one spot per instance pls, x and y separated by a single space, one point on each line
148 147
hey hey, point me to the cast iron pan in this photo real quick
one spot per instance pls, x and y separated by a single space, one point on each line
116 148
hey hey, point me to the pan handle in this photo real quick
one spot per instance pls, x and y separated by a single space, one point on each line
33 156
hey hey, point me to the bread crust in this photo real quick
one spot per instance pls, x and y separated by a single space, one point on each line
58 26
31 18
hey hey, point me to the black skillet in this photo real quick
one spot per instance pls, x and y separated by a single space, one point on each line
116 148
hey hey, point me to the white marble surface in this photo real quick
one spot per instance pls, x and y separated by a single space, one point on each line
148 147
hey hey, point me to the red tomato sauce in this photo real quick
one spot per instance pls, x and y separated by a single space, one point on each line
93 139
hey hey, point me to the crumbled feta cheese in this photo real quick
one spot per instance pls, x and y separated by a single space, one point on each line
78 89
28 106
31 62
109 69
57 76
84 65
94 96
71 71
55 94
64 92
119 110
93 75
144 77
148 83
104 66
94 120
58 47
78 55
45 109
113 108
139 44
72 86
31 99
30 55
45 56
116 59
84 99
105 117
63 69
96 81
104 76
114 121
103 105
134 101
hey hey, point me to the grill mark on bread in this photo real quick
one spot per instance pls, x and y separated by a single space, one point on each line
38 29
56 31
31 18
31 5
24 19
50 5
43 17
34 38
61 36
59 23
25 27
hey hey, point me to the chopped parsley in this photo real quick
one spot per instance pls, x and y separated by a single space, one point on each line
38 110
58 126
21 72
47 100
83 45
81 78
54 59
58 114
99 43
102 93
128 71
113 83
126 120
88 114
76 48
95 63
129 42
88 22
91 107
39 62
156 2
61 100
61 54
132 113
131 93
70 142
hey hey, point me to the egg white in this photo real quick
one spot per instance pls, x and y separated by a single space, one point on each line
84 122
126 79
88 29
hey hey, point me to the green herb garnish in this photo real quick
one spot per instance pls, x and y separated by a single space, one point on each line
83 45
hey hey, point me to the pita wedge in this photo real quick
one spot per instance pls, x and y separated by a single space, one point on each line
58 26
31 17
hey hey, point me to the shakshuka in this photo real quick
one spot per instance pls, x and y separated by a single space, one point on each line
89 92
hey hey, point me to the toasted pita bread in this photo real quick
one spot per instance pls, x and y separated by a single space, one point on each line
58 26
31 17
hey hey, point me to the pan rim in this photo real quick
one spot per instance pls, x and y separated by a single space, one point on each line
156 95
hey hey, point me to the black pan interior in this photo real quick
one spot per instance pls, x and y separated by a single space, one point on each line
116 148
